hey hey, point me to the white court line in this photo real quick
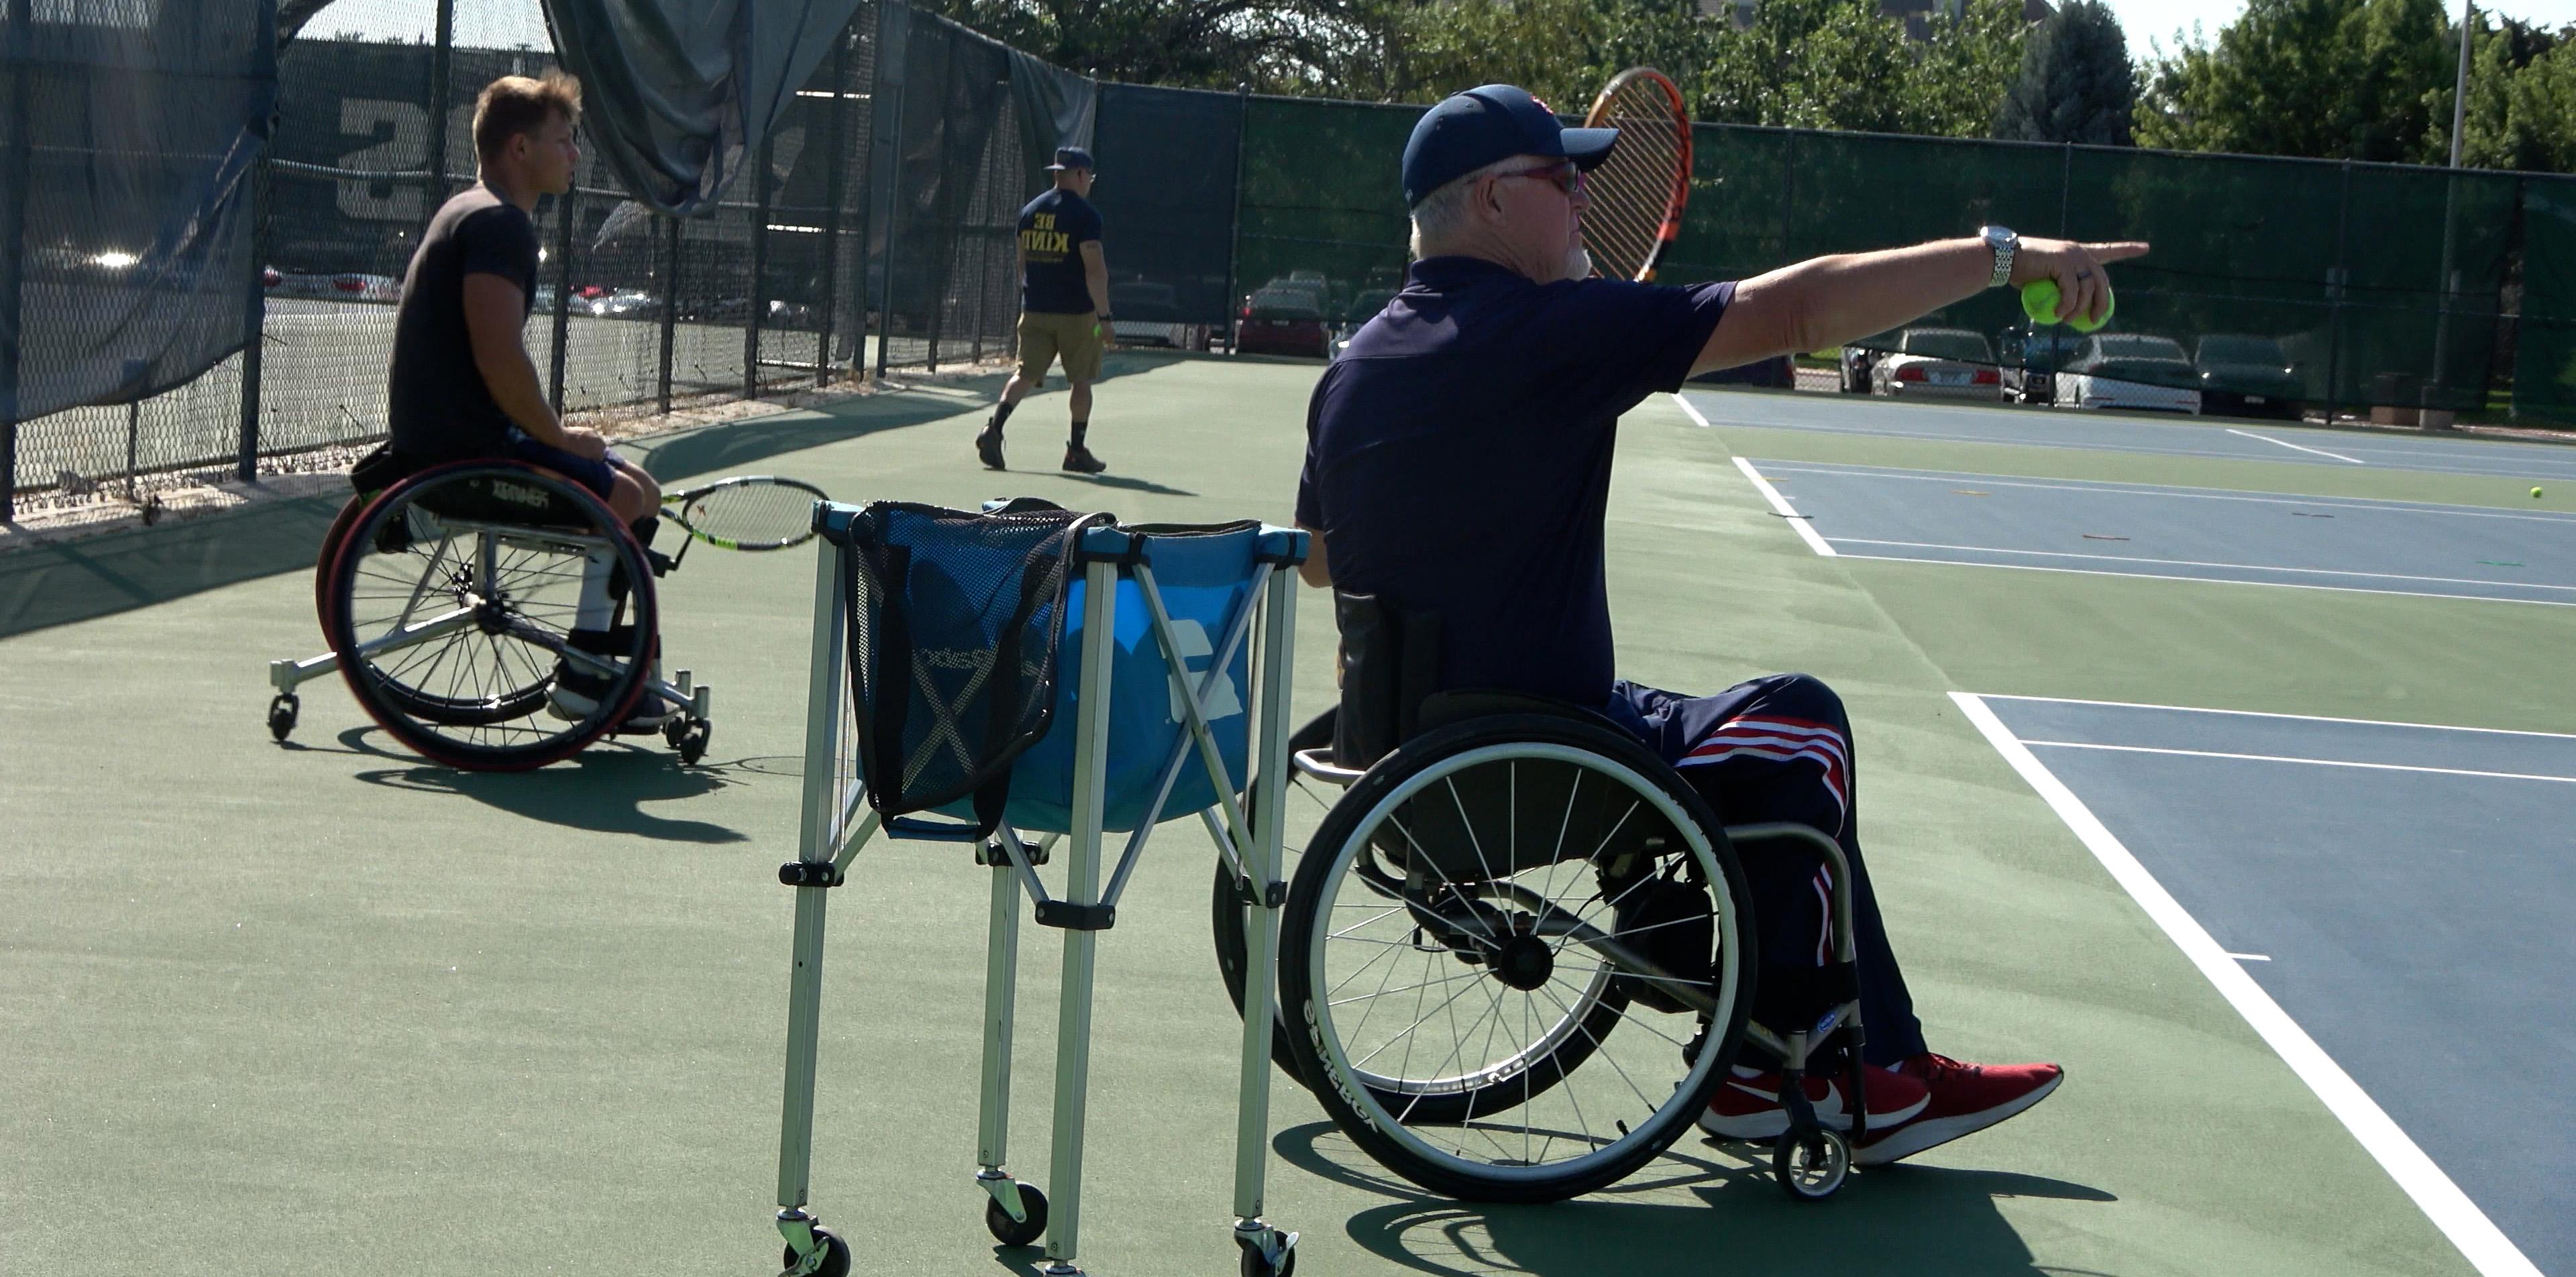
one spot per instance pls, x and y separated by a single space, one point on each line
2300 446
1780 506
2251 957
2210 580
2150 490
1694 412
2312 762
2483 1244
2257 713
2198 563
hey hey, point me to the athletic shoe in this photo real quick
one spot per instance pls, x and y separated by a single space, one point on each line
1747 1105
1964 1098
988 448
575 694
1079 460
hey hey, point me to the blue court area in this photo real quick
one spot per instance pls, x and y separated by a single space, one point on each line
2402 892
2203 534
2101 432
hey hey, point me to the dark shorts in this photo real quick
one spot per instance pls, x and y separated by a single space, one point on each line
599 476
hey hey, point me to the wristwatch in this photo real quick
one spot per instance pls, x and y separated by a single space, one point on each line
2006 244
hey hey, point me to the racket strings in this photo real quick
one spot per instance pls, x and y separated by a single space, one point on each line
751 512
1634 191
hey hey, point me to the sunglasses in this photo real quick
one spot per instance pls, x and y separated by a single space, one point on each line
1564 175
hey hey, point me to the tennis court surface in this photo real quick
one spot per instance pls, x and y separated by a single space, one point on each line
293 1009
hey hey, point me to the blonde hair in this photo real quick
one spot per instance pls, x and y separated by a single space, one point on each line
516 104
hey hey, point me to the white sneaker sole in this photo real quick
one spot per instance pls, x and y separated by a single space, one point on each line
1772 1123
1913 1138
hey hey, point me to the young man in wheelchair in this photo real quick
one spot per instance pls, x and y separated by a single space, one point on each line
1458 465
462 385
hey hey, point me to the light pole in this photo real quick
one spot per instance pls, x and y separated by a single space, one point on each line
2450 196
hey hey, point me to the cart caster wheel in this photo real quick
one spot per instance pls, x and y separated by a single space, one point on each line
1256 1266
835 1256
1017 1232
1811 1164
281 715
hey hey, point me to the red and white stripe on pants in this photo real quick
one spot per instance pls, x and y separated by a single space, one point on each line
1789 740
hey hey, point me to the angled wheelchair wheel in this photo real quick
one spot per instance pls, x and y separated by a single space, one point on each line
453 603
1229 913
330 556
1517 957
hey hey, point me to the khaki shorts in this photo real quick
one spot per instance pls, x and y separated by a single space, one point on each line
1044 337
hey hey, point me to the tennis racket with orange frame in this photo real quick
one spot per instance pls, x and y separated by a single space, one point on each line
1637 195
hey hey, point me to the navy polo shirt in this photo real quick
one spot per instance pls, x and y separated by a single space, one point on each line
1458 459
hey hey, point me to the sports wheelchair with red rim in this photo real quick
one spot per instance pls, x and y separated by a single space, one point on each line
457 601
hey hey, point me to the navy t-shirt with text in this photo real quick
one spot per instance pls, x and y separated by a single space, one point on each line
1458 459
1053 229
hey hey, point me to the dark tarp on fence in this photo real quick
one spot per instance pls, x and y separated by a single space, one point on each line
128 137
2544 370
677 92
1166 197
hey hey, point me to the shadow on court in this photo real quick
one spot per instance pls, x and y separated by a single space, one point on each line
604 788
57 584
1917 1219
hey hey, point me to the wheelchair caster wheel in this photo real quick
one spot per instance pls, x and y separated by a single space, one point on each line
1255 1265
1811 1164
833 1260
281 715
689 737
1017 1232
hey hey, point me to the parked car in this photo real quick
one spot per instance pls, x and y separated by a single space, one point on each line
370 288
1854 364
1939 362
624 303
2130 370
2248 376
1364 308
1283 321
1150 305
2031 358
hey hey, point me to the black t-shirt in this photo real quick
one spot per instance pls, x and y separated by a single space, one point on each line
1458 459
1053 229
438 405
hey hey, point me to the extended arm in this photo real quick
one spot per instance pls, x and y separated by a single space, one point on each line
1825 301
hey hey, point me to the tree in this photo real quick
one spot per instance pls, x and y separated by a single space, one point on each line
2075 84
1841 64
2333 79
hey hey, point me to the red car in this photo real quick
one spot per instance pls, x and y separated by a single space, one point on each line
1282 321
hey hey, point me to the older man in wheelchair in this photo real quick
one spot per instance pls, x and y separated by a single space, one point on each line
1457 478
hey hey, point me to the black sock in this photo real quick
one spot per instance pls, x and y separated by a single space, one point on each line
1001 413
1078 428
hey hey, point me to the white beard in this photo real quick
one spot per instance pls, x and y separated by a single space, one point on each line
1578 263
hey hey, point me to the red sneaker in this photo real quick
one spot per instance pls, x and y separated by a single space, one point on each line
1747 1104
1964 1098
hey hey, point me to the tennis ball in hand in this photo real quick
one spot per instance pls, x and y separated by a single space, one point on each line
2039 300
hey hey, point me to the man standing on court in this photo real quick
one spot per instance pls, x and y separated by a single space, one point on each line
1064 306
1458 463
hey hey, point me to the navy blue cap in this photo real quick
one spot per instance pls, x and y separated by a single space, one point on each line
1070 157
1470 130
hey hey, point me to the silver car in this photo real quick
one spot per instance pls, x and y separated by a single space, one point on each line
2130 370
1955 363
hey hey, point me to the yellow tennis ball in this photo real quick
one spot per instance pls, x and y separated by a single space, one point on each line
2039 300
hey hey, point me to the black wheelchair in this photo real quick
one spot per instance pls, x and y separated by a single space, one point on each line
1517 954
456 599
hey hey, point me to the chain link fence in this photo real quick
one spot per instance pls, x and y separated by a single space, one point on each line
875 231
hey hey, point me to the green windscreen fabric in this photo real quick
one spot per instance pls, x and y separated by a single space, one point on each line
2544 359
1322 203
1166 197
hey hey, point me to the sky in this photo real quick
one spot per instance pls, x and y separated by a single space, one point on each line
2145 20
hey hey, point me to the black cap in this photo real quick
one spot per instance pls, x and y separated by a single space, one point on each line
1470 130
1070 157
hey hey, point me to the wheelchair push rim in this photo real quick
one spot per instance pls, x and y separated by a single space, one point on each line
450 627
1509 980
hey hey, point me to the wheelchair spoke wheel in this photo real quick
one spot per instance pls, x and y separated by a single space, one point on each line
1308 801
1514 952
453 605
